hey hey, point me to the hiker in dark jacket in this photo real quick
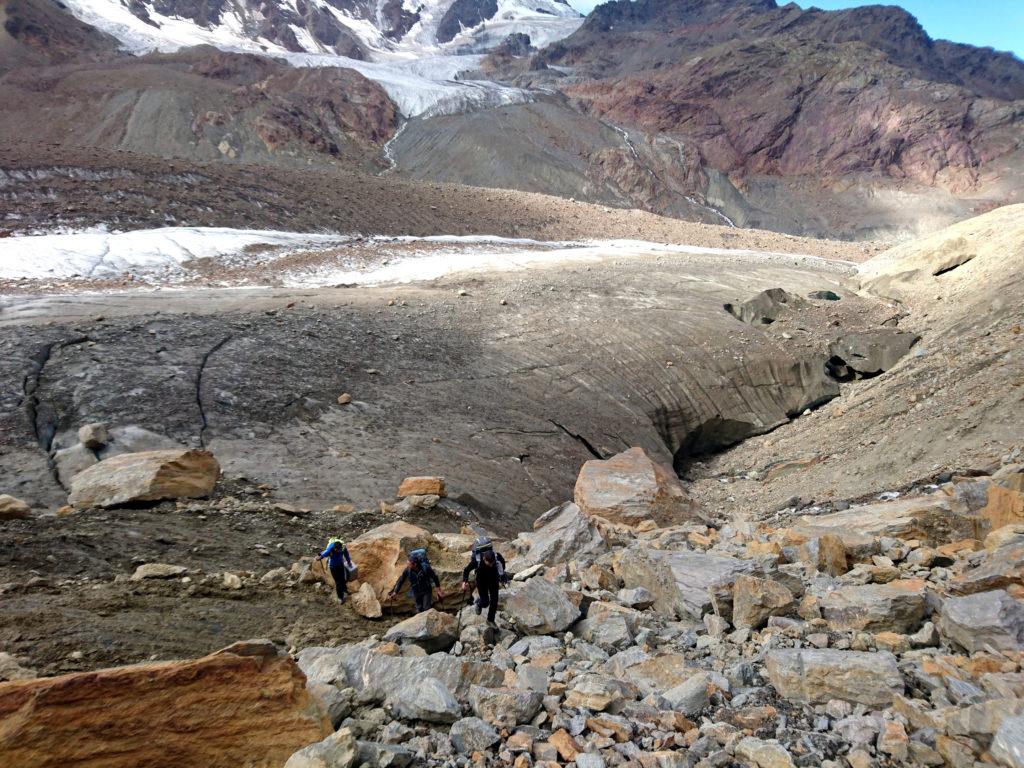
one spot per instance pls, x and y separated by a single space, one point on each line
490 574
420 576
337 556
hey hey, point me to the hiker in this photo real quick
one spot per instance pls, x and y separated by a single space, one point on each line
490 573
340 563
420 575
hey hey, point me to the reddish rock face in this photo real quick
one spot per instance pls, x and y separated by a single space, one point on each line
761 90
243 706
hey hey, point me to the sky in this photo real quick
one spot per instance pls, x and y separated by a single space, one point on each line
997 24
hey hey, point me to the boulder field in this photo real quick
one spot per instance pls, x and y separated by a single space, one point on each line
667 640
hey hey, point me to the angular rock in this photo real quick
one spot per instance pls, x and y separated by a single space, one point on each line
93 436
639 598
898 606
826 553
382 554
754 600
426 699
339 750
377 755
982 721
158 571
1000 568
568 748
598 692
365 602
868 353
610 633
14 509
817 676
984 619
763 754
504 707
10 669
766 307
538 607
1004 507
69 462
422 486
650 673
933 520
471 734
1008 744
691 697
629 488
679 580
148 476
374 674
245 705
561 534
431 630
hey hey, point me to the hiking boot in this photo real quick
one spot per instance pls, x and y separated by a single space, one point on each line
478 608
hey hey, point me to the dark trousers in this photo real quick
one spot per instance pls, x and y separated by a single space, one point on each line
488 599
340 580
424 602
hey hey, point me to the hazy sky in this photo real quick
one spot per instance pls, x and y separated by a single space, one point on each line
998 24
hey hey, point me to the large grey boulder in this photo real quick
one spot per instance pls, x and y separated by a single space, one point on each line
690 697
148 476
562 534
933 520
71 461
766 307
1008 744
377 755
868 353
610 632
984 619
538 607
816 676
471 734
427 699
339 750
375 675
898 606
680 581
504 707
431 630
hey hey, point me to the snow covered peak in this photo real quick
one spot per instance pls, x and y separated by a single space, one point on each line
354 29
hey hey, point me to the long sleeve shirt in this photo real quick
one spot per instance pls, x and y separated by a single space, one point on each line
485 575
337 554
419 580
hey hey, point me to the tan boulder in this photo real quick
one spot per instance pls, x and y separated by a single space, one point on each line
1004 507
382 554
754 600
14 509
421 486
898 606
817 676
630 488
146 476
365 602
245 705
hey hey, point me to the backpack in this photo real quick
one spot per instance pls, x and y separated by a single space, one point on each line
420 556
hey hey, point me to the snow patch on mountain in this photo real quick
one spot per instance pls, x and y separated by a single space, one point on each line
420 84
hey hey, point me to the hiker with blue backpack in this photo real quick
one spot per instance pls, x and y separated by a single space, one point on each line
490 575
339 561
420 576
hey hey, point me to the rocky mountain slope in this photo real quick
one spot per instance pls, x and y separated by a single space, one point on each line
852 124
782 105
651 621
